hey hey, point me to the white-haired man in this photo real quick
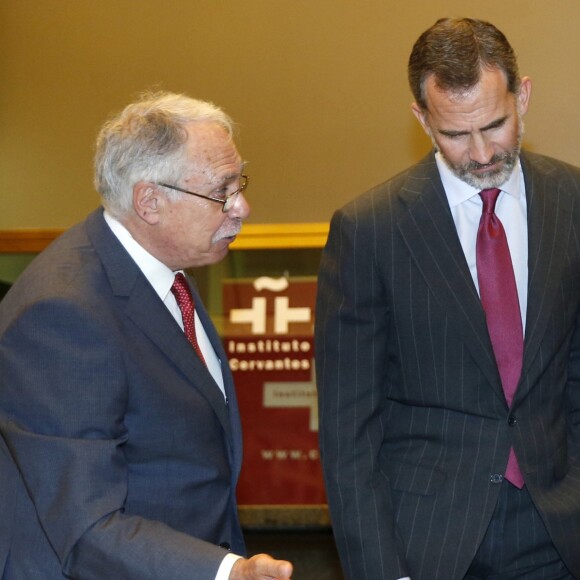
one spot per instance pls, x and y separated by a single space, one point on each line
121 441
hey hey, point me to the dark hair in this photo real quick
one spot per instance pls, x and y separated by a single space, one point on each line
455 51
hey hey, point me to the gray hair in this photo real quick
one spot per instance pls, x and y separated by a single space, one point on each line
145 142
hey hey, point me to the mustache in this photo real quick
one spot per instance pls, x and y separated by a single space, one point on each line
505 156
237 226
230 232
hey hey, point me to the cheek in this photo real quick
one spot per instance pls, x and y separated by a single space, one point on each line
454 152
215 230
510 140
198 228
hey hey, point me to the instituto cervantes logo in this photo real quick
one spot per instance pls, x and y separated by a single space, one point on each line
268 335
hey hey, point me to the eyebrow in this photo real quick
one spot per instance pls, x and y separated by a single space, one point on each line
493 125
231 176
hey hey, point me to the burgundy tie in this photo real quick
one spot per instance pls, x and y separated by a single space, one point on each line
182 293
499 297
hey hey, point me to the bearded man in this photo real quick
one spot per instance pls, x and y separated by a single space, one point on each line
447 341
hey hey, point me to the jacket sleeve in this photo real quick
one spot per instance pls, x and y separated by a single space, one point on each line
573 396
352 334
63 399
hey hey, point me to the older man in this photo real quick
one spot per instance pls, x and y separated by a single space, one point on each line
448 339
121 441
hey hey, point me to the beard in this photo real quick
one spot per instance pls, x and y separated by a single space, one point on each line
487 179
495 177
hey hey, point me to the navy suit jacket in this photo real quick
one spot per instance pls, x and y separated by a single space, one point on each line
119 455
414 427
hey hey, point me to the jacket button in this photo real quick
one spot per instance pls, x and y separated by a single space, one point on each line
512 420
496 478
225 546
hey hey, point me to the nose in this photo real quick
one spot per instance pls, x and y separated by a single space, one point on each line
241 207
481 150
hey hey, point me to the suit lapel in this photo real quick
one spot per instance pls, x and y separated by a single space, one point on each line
429 232
234 417
147 311
431 237
549 225
150 315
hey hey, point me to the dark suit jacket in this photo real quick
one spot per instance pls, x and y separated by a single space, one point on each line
119 455
413 421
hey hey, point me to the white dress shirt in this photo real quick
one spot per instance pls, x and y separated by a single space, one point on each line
511 208
161 278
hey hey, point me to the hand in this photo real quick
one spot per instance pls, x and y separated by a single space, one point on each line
261 567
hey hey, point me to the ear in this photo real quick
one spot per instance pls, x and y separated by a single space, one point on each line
524 95
147 202
421 116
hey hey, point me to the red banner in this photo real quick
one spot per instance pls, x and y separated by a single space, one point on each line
268 335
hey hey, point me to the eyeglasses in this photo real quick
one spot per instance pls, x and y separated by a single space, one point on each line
229 200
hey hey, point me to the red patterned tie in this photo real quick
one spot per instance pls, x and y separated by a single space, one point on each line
499 297
182 293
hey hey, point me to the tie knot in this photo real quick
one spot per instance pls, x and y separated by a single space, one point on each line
489 198
181 291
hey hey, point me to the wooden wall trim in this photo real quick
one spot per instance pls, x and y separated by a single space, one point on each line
252 237
26 241
281 236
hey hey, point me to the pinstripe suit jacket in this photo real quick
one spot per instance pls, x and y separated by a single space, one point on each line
413 420
119 456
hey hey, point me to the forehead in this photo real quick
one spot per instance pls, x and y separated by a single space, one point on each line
211 148
490 99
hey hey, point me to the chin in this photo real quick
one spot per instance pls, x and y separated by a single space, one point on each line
219 251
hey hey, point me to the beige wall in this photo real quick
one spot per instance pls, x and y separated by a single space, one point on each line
318 88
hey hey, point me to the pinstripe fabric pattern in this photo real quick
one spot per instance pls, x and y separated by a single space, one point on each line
516 523
413 420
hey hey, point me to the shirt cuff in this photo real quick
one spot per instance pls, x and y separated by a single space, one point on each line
226 566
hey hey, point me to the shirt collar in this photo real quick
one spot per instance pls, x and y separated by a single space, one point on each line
458 191
157 273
